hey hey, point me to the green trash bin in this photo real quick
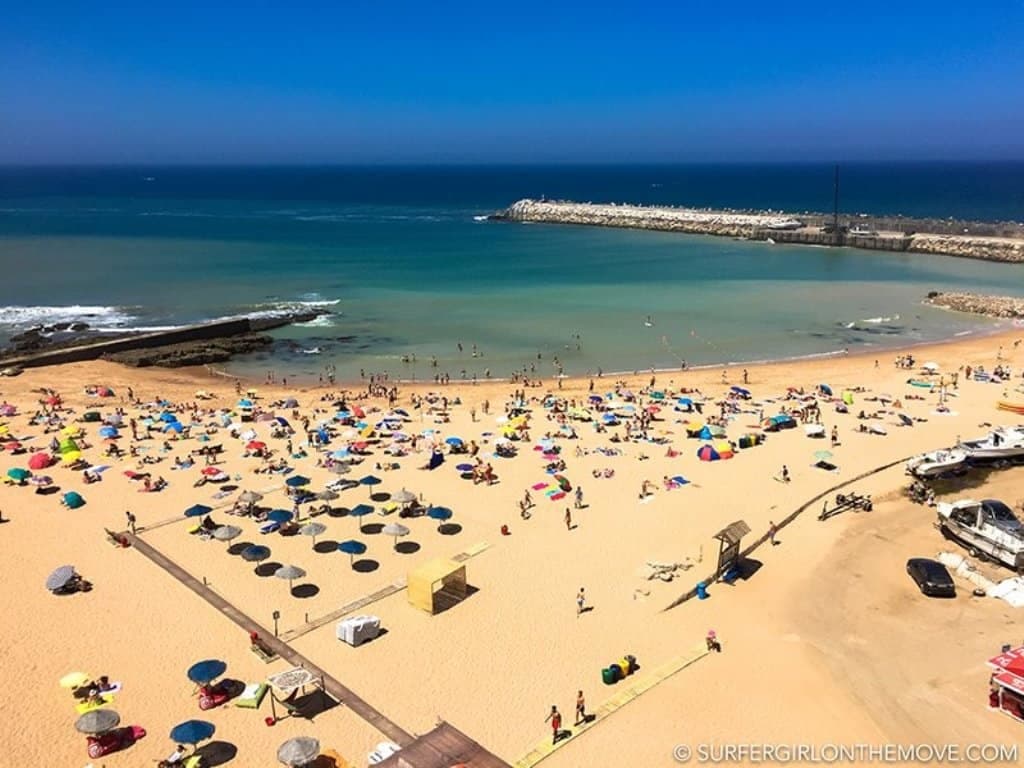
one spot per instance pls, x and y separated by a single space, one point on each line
610 675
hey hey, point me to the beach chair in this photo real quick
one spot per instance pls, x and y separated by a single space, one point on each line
270 527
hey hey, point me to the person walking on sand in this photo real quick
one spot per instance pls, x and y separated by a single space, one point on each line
581 600
581 708
556 723
131 522
785 473
579 497
568 519
772 530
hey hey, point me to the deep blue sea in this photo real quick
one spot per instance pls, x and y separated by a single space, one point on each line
399 257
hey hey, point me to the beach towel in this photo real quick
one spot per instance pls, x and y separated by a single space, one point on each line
87 706
680 480
252 696
538 486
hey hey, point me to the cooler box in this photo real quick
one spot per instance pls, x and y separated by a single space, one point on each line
356 630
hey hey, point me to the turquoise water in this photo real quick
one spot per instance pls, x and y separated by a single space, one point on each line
409 278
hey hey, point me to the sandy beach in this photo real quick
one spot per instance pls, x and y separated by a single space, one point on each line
827 642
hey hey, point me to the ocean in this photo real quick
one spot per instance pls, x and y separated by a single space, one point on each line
401 259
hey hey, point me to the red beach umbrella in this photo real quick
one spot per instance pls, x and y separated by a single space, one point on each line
39 461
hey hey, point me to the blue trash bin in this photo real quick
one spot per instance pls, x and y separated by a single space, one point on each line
702 590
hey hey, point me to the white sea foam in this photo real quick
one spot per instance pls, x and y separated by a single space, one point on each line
98 316
879 320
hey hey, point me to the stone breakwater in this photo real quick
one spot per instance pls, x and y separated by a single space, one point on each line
1006 307
809 229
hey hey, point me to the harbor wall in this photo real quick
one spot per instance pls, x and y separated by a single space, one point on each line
780 227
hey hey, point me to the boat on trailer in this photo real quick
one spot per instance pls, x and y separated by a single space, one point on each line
987 528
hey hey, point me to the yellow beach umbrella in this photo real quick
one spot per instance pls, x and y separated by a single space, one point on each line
72 456
4 429
367 432
69 431
74 680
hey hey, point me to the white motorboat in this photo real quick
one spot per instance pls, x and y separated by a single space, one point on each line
986 528
935 463
1000 443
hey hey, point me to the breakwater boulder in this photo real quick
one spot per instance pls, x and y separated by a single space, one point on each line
690 220
967 246
1007 307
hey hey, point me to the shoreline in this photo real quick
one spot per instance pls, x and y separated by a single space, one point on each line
571 382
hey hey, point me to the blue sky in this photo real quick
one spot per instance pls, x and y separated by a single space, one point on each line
520 82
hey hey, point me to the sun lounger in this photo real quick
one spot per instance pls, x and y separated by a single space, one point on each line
252 696
270 527
388 508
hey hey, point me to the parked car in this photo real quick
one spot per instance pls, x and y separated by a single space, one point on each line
931 577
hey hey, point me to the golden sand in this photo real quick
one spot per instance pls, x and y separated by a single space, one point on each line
828 642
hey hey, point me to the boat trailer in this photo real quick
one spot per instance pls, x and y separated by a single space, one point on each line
855 501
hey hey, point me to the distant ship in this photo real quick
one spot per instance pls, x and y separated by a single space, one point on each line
313 351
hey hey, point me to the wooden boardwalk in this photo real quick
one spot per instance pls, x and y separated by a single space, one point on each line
627 691
365 600
281 648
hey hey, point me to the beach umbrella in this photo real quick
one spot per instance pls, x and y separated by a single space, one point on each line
39 461
312 530
198 510
825 389
396 530
352 548
360 511
740 391
168 418
206 671
192 732
406 497
327 495
454 441
708 453
245 403
255 445
226 533
18 474
60 578
823 455
291 402
70 457
281 516
98 721
289 572
73 499
464 467
249 497
74 680
906 420
296 482
255 553
299 751
174 426
108 432
848 397
340 469
440 514
370 481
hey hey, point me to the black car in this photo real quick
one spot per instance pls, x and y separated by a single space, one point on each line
931 577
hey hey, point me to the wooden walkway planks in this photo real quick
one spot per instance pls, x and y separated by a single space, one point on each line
335 688
625 695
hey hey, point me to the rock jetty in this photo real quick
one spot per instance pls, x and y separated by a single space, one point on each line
975 240
1006 307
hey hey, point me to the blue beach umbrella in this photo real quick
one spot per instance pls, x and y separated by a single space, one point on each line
740 391
361 511
280 516
255 553
370 481
73 500
296 482
245 403
108 432
174 426
167 417
454 441
198 510
203 672
825 389
18 474
342 415
341 453
192 732
352 548
440 514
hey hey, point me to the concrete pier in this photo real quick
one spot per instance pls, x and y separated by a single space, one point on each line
976 240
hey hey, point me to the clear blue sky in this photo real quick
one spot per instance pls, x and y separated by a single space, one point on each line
522 81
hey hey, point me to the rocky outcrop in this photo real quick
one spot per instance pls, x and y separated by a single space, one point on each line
191 352
1006 307
811 229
